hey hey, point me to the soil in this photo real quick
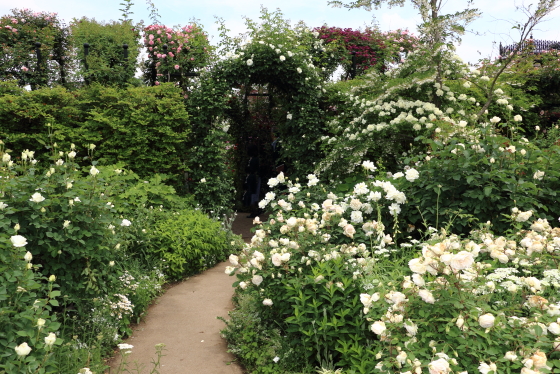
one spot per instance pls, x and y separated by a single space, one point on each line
185 320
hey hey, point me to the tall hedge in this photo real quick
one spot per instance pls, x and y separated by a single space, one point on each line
145 127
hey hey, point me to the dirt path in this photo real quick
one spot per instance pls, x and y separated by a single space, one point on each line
185 320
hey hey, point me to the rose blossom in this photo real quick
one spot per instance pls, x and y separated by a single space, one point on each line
486 320
349 230
378 327
18 241
257 280
462 260
37 197
440 366
23 349
426 296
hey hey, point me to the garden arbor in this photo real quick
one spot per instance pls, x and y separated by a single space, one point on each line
293 86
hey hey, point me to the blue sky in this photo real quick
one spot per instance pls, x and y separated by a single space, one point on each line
494 25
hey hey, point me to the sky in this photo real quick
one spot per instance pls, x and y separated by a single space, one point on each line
493 27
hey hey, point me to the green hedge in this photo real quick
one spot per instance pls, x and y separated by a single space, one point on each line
144 127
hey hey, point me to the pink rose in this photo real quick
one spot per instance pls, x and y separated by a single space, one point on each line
156 83
176 67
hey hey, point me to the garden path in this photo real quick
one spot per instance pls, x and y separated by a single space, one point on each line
184 319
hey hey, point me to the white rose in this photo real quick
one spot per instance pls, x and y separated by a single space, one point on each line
411 328
553 327
418 280
50 339
539 359
538 175
427 296
37 197
23 349
277 259
349 230
18 241
125 222
484 368
257 280
462 260
411 175
511 356
417 266
267 302
486 320
234 260
93 171
378 327
440 366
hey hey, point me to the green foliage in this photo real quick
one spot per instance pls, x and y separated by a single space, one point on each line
105 62
65 215
485 179
210 153
189 242
143 127
324 314
257 341
26 303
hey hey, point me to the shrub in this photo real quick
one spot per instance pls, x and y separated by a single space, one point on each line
26 302
105 61
146 128
304 266
188 241
65 215
484 178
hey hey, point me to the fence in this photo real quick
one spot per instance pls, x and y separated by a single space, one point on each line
534 46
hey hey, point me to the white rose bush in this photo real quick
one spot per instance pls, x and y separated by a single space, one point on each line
358 300
303 266
61 232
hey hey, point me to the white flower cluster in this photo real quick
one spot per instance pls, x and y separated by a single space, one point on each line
451 266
